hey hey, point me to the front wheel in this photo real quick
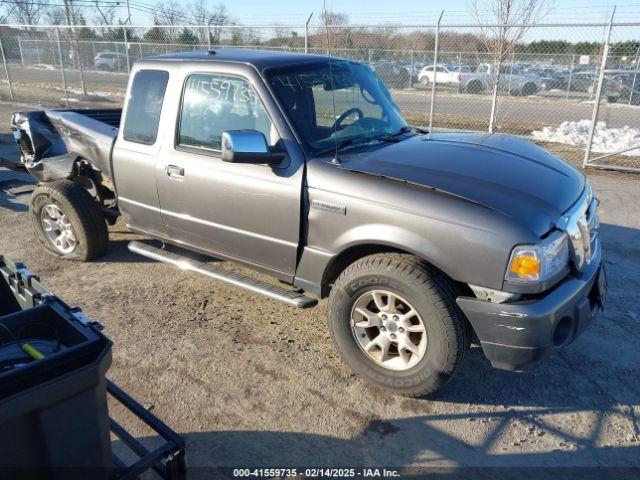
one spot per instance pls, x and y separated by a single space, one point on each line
67 221
395 322
475 87
529 89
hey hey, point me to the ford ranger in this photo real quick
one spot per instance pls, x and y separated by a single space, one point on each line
302 167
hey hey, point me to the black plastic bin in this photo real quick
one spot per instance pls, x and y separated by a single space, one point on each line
53 412
54 420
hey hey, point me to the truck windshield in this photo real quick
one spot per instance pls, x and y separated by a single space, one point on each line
342 103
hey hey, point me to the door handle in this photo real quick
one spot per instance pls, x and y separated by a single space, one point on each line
175 172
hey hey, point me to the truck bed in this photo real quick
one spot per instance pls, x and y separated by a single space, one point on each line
110 116
51 141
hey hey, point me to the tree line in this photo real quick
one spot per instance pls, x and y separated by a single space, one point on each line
209 19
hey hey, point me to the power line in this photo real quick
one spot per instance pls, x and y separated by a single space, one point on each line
587 13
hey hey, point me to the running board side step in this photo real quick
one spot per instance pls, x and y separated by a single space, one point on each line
182 262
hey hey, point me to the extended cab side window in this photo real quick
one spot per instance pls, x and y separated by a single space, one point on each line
144 106
212 104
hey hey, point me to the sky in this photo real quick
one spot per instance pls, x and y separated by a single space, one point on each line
415 11
261 12
419 12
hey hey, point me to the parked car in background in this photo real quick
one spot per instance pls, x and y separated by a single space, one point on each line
582 81
623 88
110 61
510 80
442 75
551 78
394 74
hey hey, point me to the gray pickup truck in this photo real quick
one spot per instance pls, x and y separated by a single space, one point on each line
302 167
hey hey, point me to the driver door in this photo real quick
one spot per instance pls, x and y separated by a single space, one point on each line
245 212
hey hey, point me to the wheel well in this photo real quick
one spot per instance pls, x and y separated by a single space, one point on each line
355 253
352 254
347 257
87 176
475 85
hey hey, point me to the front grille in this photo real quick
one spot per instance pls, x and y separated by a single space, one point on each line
593 224
581 224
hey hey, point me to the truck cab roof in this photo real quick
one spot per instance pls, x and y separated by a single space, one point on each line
260 59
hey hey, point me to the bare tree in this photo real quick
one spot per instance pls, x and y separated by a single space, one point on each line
330 20
25 12
74 13
105 13
55 16
213 17
74 18
169 13
333 19
503 23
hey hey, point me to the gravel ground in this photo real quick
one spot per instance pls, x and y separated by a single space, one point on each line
252 382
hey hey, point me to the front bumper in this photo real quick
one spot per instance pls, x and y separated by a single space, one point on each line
516 334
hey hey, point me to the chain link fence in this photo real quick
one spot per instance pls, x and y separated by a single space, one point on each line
549 86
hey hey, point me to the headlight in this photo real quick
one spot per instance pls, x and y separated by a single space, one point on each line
537 263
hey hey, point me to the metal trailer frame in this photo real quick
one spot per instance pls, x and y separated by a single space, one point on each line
168 460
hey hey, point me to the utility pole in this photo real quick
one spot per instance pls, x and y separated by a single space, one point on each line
68 5
128 13
126 38
67 11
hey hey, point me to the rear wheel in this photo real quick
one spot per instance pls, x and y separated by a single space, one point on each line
475 87
395 322
67 221
528 89
403 79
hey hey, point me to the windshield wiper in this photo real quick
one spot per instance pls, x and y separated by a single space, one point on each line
338 146
348 142
391 136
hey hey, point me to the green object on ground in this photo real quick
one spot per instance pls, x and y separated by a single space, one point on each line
32 351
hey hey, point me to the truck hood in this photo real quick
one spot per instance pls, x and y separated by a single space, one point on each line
501 172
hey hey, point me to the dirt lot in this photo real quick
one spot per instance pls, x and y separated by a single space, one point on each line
251 382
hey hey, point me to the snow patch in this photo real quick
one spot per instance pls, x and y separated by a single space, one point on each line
43 66
605 140
78 91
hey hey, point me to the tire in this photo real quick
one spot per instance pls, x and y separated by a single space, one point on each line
528 89
425 82
81 214
475 87
403 79
429 293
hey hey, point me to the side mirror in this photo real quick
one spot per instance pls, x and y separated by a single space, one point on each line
248 146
